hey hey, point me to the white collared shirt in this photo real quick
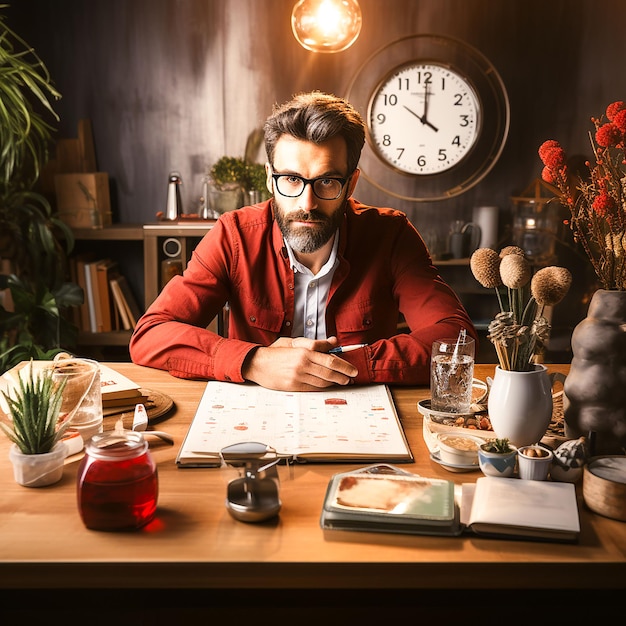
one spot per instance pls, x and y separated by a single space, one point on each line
311 294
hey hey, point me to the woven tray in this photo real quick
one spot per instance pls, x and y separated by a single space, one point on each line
478 424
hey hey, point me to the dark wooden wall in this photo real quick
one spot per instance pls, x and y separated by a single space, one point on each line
175 84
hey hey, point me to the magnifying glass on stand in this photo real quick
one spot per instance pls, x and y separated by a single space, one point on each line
254 496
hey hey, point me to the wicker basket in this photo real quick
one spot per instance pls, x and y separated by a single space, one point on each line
604 486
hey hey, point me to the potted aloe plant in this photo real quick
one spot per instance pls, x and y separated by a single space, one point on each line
33 425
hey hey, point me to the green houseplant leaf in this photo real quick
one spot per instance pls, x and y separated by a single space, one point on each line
32 238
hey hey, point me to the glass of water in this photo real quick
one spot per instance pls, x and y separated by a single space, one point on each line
82 395
451 374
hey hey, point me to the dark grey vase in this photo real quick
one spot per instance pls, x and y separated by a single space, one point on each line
595 389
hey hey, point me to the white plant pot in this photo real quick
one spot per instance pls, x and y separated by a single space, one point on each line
225 200
520 404
38 470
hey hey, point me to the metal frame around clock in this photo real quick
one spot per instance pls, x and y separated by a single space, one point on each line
495 111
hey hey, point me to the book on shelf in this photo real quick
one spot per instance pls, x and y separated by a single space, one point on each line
91 293
384 498
105 269
109 304
129 302
355 424
84 316
521 509
121 307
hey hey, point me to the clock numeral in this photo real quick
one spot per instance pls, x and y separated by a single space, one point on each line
464 120
424 78
381 118
401 82
442 156
421 160
458 99
456 141
390 100
386 140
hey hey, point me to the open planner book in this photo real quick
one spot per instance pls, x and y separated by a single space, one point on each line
355 424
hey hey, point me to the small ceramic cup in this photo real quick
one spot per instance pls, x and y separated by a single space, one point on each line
534 462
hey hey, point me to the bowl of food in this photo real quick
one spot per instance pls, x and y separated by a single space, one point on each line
458 449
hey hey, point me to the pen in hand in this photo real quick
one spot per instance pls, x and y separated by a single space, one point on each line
341 349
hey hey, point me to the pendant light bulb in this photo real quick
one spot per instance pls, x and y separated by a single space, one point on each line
326 25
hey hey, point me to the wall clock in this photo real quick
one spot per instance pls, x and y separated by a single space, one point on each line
437 116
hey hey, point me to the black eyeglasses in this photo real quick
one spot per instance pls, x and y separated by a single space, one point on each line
324 187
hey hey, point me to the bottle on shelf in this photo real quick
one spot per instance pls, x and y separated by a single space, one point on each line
174 206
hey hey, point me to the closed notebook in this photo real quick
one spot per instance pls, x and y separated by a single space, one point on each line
383 498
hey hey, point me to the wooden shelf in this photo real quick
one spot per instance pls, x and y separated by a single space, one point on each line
114 338
118 232
151 238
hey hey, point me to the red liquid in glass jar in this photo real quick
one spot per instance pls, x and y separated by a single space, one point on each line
116 492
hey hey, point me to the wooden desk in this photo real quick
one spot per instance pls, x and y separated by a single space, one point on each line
195 544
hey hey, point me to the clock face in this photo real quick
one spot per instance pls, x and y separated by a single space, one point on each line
437 115
424 118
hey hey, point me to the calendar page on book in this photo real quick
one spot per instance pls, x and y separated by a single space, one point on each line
355 422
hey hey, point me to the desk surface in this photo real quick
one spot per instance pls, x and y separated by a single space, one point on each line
195 543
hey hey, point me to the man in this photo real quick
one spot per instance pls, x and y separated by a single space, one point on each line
307 271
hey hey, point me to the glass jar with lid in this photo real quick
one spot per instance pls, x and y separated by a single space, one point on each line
117 484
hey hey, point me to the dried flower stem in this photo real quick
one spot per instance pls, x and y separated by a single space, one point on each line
597 206
519 331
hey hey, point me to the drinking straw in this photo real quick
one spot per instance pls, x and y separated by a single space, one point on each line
459 340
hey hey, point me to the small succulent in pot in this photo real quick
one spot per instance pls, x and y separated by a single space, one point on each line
497 457
498 446
34 409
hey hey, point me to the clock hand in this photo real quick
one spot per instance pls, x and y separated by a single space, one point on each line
421 119
426 94
425 119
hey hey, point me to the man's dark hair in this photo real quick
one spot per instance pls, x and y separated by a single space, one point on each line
316 117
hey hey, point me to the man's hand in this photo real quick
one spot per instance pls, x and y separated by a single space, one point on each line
298 364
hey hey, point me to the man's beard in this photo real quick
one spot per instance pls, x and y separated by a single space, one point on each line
305 239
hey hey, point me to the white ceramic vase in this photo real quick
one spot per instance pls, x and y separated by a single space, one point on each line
520 404
38 470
